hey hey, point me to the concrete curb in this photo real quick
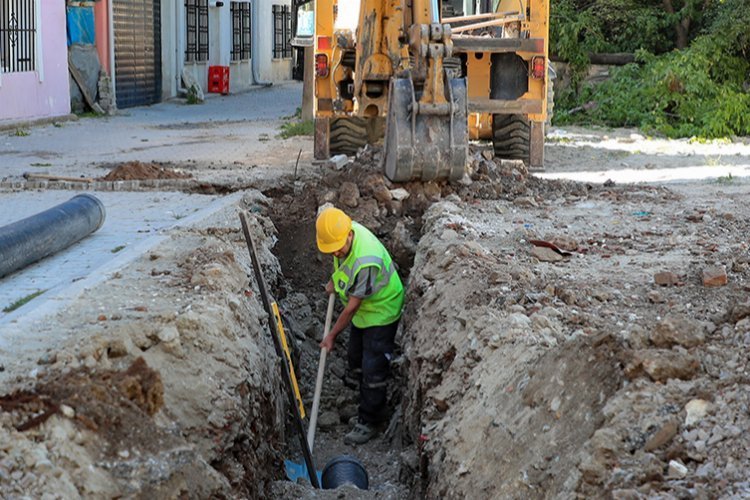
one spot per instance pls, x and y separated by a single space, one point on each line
20 322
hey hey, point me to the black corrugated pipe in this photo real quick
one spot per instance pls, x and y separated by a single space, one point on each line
36 237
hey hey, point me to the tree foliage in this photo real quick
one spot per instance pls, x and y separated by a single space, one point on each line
701 90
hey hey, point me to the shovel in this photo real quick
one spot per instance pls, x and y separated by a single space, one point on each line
319 382
296 470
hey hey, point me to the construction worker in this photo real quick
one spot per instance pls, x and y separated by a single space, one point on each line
365 279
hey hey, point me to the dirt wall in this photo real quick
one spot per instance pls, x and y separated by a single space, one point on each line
160 382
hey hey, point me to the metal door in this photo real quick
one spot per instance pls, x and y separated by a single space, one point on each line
137 52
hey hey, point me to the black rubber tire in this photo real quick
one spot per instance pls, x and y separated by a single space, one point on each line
350 134
511 137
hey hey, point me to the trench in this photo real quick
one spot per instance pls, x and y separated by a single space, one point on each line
431 449
303 302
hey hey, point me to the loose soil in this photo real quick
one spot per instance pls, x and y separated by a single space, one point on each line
136 170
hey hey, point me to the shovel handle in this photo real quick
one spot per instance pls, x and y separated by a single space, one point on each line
319 380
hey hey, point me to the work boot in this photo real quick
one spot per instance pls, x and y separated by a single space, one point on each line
360 434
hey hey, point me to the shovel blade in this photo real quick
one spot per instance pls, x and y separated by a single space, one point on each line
295 471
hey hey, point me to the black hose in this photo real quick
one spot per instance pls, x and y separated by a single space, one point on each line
46 233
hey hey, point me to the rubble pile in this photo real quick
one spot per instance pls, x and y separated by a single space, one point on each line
588 373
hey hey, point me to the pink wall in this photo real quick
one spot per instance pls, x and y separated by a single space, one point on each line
101 16
22 95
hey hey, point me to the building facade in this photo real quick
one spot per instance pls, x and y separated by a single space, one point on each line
33 60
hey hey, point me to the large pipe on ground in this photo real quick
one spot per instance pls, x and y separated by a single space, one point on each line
46 233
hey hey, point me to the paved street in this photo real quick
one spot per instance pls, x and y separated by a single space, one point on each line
232 129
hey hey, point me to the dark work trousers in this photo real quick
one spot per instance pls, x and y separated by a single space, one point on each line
370 353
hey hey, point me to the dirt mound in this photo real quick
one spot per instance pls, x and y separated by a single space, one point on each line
135 170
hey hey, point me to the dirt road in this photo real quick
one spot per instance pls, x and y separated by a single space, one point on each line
522 372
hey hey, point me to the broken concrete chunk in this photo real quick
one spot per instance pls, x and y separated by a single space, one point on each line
545 254
677 330
399 194
338 161
666 278
714 276
696 410
676 470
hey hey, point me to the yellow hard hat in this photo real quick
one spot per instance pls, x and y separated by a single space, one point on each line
332 229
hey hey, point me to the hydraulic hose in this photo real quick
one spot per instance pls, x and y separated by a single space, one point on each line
34 238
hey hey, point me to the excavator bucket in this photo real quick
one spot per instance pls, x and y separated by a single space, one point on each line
425 145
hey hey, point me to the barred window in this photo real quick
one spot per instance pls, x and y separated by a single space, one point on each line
196 22
18 35
282 32
240 31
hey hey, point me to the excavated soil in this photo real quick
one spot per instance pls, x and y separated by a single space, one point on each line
136 170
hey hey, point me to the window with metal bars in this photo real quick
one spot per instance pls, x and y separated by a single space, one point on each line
282 32
18 35
240 30
196 23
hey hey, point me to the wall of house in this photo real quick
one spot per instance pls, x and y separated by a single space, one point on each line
101 17
220 48
45 92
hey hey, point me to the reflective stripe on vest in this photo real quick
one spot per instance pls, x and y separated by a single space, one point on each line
383 307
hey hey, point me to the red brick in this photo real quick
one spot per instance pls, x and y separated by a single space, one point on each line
714 276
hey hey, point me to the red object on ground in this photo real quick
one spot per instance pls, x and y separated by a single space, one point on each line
218 79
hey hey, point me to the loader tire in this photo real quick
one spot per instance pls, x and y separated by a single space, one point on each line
350 134
511 137
453 67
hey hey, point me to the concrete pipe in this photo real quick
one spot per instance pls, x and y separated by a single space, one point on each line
46 233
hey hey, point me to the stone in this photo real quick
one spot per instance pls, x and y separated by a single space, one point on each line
655 297
666 278
545 254
678 330
67 411
676 470
432 191
382 193
399 194
328 420
525 202
564 243
696 410
168 333
663 436
714 276
349 194
663 364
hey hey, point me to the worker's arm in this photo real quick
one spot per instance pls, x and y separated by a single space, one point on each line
341 323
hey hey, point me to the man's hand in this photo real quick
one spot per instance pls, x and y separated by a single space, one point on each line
327 343
329 287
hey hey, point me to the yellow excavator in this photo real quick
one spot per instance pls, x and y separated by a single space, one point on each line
426 84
